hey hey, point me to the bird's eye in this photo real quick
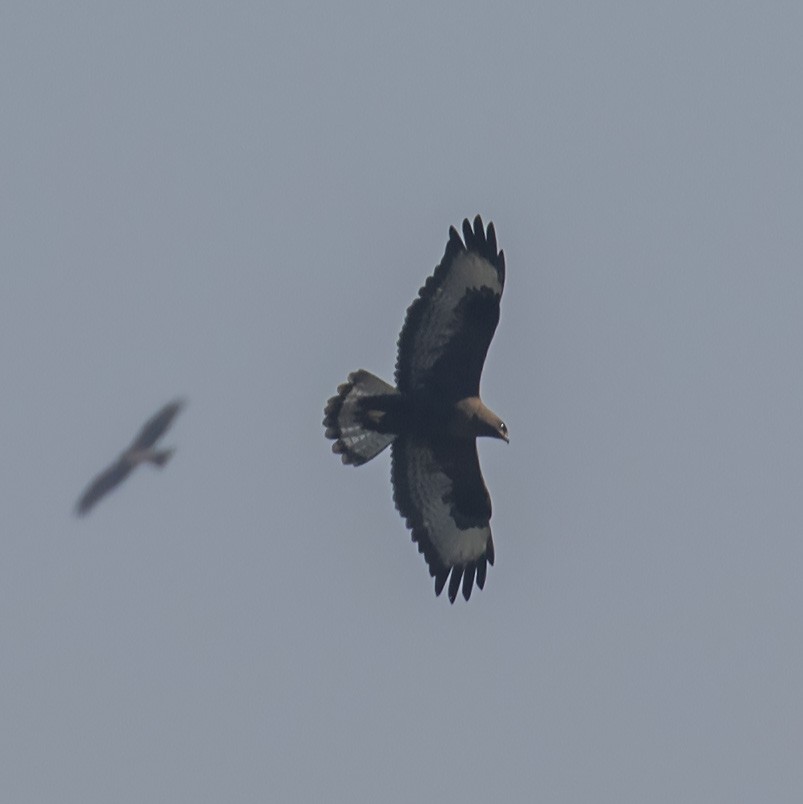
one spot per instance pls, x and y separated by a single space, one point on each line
502 428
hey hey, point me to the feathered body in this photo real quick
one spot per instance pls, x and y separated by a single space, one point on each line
141 450
434 414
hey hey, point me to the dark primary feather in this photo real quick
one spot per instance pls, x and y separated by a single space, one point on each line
153 429
449 327
104 483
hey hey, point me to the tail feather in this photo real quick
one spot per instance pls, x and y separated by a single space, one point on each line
353 423
161 457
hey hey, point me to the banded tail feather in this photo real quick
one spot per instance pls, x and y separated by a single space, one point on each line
354 417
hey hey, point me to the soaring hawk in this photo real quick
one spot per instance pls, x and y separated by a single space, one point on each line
140 451
433 416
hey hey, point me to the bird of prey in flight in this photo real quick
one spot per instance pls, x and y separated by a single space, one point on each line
433 416
142 450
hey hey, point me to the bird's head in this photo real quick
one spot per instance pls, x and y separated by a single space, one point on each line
493 427
479 420
501 431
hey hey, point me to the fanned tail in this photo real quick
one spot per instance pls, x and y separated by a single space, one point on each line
354 418
160 457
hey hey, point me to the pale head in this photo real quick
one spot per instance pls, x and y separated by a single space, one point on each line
475 419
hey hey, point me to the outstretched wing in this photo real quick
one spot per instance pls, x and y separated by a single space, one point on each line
438 488
449 327
108 479
112 476
156 425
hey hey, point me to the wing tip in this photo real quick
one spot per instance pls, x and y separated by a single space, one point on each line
483 240
475 238
462 578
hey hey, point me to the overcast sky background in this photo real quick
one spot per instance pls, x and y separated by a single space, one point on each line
236 204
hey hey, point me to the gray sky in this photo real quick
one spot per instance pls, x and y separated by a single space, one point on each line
237 205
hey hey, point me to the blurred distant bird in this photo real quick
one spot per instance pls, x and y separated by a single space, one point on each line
140 451
434 414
